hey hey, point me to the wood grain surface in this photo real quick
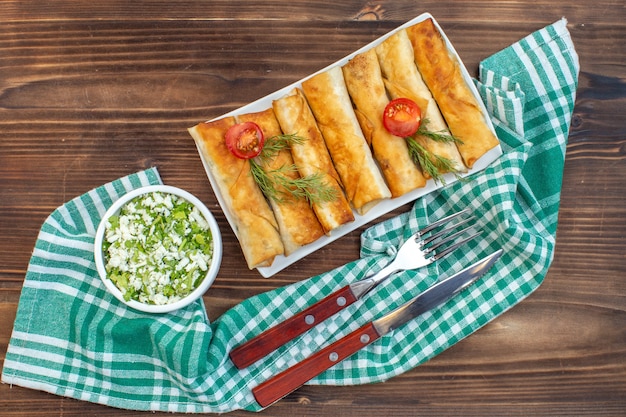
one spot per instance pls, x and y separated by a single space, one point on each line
91 91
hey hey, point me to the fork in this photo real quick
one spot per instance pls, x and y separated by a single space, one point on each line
416 252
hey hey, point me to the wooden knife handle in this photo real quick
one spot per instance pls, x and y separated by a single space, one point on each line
292 378
271 339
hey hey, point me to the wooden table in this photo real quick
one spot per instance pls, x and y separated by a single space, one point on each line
91 91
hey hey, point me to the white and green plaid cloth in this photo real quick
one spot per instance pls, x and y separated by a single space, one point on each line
73 339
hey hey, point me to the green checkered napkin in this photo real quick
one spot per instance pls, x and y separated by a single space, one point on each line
73 339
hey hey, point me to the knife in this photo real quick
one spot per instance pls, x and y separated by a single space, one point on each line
292 378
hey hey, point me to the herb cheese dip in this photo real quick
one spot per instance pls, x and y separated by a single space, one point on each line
157 249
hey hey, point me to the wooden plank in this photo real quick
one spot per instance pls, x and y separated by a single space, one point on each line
78 79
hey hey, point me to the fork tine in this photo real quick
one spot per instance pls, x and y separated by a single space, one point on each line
447 239
452 248
447 230
439 222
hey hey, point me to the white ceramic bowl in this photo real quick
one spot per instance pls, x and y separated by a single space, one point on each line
211 272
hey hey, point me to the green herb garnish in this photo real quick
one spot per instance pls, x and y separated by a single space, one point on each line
277 143
433 165
277 184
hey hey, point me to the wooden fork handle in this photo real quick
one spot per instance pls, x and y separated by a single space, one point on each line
292 378
271 339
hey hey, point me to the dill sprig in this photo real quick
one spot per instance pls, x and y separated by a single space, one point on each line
275 144
432 164
440 136
276 184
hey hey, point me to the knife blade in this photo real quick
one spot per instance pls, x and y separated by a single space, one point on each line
292 378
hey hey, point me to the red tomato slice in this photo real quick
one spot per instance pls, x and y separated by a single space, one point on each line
402 117
245 140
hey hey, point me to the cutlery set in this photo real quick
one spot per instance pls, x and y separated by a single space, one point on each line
420 249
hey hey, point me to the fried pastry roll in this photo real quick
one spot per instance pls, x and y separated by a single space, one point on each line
255 225
366 88
442 74
312 158
402 79
329 100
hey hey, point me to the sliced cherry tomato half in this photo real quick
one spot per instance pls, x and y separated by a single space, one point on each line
402 117
245 140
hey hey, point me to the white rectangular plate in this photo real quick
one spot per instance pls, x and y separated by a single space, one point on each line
281 262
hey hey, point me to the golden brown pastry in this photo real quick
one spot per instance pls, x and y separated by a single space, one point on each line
312 158
255 225
402 79
367 90
442 74
329 100
297 222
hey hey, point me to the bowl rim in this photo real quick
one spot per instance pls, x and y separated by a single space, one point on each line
211 272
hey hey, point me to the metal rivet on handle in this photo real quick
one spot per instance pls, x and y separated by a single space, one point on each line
365 338
309 319
341 301
333 356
